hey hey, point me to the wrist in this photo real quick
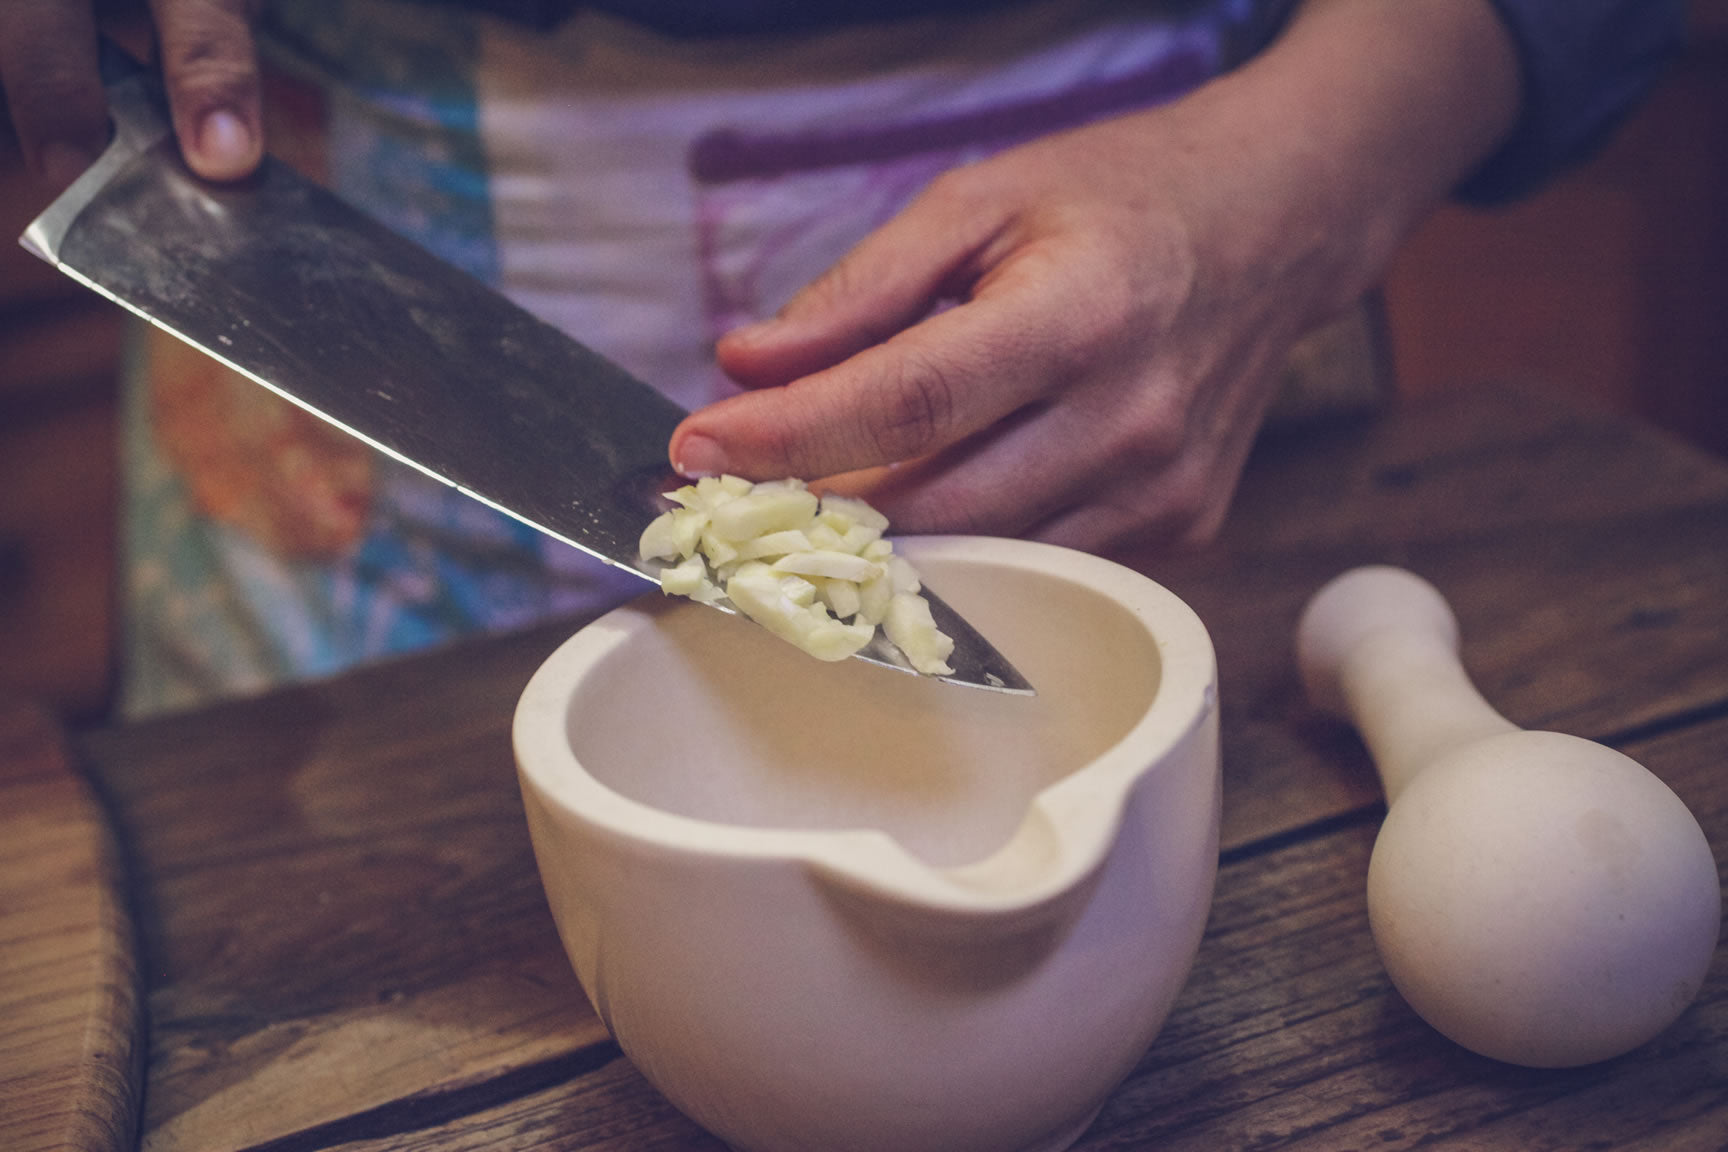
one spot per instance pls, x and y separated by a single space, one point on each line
1357 121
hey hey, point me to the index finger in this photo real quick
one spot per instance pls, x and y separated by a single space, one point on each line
945 378
210 68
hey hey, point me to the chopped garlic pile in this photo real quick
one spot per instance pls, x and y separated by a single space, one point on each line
817 573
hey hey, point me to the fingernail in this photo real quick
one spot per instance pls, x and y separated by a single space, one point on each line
224 140
63 163
699 456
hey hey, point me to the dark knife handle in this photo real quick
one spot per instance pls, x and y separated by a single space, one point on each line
116 63
136 93
137 98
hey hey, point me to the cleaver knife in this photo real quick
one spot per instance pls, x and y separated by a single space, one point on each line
288 285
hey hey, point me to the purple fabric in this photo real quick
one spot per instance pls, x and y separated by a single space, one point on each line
754 17
1585 64
763 230
736 155
697 18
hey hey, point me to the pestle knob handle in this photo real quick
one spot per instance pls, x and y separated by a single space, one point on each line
1379 646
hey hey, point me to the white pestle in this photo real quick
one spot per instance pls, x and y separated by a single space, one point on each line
1538 898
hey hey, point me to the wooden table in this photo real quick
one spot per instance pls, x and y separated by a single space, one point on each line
342 941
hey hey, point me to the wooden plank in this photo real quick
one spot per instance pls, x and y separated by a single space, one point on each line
1557 631
1587 561
340 908
70 1030
1288 1035
1473 463
1291 1035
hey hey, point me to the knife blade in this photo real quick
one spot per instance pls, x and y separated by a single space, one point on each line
290 286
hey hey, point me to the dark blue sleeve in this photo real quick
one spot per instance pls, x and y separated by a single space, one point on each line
1585 63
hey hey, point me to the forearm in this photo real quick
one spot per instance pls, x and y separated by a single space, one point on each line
1354 123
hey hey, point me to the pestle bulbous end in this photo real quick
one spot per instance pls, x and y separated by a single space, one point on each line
1544 900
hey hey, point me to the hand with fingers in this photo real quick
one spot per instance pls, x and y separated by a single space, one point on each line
49 72
1080 390
1122 295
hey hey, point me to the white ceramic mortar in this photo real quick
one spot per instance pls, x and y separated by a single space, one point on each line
836 907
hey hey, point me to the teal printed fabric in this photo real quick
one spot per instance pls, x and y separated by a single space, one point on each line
222 596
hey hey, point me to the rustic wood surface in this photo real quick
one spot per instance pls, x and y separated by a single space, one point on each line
346 946
1288 1035
70 1029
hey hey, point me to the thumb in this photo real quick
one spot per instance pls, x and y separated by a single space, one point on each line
867 410
928 387
210 67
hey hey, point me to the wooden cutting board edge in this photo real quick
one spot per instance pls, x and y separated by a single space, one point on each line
71 1023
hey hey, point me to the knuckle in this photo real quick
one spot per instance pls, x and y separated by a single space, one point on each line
1113 288
1195 507
1188 504
916 410
1161 491
957 184
208 45
1156 434
775 451
845 280
211 71
1135 287
1201 531
1113 314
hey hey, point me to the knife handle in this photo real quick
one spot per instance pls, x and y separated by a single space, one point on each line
137 100
116 63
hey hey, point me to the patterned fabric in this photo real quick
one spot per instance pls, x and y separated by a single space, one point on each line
645 194
1585 62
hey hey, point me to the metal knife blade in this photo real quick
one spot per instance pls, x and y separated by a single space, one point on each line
290 286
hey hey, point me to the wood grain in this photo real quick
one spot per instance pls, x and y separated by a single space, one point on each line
70 1032
1587 560
1288 1036
347 945
339 878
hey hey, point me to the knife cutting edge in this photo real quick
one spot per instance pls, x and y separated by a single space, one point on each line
288 285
